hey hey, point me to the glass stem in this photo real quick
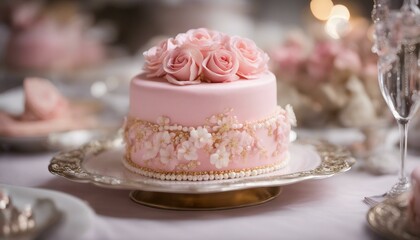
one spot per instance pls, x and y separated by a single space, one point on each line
403 127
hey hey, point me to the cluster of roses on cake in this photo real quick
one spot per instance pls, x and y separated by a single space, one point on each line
205 55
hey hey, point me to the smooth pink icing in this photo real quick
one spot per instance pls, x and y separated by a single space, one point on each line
190 105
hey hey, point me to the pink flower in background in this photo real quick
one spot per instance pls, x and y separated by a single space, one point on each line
370 70
321 61
252 60
155 56
290 57
220 66
347 59
183 66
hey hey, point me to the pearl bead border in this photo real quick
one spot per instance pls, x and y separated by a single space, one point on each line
204 175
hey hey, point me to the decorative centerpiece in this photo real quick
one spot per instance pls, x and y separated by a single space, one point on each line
53 37
330 82
205 109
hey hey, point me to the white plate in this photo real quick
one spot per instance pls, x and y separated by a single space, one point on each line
77 217
100 163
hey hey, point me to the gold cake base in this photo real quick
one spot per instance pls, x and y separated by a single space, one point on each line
205 202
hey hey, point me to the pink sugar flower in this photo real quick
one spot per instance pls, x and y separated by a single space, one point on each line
155 56
183 66
204 39
252 60
221 66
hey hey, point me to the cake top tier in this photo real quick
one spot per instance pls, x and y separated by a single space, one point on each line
203 55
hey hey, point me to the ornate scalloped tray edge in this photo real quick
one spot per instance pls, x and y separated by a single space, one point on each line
334 159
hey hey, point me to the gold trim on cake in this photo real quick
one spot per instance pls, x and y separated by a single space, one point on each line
204 175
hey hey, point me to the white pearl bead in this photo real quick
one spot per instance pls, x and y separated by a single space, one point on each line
206 177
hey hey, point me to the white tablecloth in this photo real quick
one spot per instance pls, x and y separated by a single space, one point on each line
318 209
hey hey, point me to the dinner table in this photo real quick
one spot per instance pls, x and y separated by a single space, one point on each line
330 208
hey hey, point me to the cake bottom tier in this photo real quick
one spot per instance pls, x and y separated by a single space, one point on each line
221 148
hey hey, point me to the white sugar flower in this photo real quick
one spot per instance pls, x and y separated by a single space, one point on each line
163 121
200 137
161 139
240 141
167 154
220 158
187 151
291 115
150 151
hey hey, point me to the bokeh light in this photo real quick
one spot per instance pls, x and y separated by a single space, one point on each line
338 21
340 11
321 9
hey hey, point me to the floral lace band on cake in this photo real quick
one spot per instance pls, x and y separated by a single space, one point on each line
166 148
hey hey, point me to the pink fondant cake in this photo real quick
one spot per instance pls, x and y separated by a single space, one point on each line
414 203
205 109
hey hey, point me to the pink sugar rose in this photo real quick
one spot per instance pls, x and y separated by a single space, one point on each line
252 60
155 55
220 66
204 39
183 66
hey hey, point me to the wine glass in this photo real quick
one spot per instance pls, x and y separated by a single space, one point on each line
397 43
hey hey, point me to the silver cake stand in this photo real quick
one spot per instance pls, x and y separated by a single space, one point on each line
100 163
